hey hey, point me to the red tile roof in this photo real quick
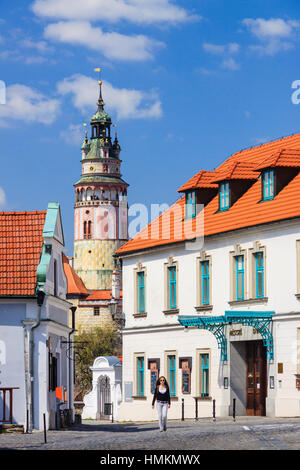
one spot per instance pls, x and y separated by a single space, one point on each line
21 241
245 212
75 284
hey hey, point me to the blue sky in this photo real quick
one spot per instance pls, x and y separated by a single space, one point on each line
188 83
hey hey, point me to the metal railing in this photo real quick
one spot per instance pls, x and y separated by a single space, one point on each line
7 405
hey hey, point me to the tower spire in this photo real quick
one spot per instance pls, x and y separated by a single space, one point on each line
100 102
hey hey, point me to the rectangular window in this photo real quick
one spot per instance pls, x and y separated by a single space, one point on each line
96 311
239 277
224 196
190 204
268 184
204 375
141 291
172 374
205 282
172 287
140 375
259 276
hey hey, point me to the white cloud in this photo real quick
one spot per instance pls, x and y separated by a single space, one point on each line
272 28
226 51
40 46
134 11
111 45
126 103
73 135
2 197
230 64
25 104
274 34
216 49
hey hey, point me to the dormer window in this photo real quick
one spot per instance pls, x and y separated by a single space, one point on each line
224 196
268 185
190 204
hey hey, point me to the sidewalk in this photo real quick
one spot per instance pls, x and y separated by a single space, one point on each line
246 433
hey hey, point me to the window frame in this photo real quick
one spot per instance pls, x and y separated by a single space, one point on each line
237 277
172 284
259 269
136 286
190 200
224 195
172 376
169 307
268 184
141 291
200 368
203 277
234 297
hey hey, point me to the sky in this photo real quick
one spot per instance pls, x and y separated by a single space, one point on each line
188 83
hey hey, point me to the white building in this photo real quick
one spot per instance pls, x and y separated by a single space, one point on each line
35 339
219 314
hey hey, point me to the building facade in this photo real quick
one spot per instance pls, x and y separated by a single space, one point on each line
212 303
100 222
35 338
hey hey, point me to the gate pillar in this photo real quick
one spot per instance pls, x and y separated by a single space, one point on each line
107 385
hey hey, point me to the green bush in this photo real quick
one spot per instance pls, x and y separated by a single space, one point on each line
89 345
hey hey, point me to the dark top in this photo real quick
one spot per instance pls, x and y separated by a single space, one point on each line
161 396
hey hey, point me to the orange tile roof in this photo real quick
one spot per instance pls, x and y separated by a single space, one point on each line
245 212
75 284
200 180
284 157
21 241
236 171
100 295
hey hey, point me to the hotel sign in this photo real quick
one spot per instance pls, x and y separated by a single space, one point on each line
236 332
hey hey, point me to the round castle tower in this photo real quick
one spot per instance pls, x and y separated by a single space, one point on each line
101 209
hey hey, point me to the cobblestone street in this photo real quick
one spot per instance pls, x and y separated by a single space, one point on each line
244 434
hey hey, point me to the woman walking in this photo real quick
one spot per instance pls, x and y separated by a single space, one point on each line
162 395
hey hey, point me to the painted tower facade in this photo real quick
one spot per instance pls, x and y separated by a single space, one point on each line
101 209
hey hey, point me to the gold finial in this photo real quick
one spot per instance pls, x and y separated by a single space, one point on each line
85 129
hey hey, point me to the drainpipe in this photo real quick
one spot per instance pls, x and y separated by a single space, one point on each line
30 325
73 310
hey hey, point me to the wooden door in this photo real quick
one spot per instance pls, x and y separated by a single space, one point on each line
256 378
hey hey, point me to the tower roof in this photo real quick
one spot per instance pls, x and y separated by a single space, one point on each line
86 143
100 115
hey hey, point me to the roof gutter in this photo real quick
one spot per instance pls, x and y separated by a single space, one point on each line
30 325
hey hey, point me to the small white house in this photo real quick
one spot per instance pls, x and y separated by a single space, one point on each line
35 340
217 311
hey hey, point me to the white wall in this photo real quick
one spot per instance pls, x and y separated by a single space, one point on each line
280 268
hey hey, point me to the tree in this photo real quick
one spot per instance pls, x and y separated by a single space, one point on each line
95 342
